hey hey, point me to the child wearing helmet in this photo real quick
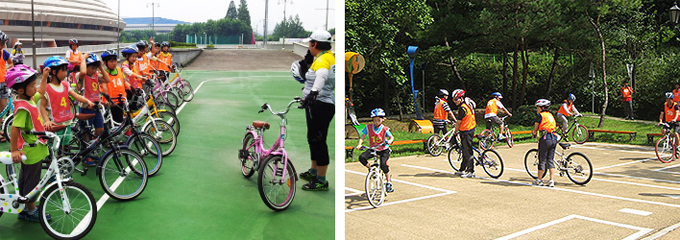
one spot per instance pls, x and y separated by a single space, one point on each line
73 56
377 134
442 111
17 54
491 114
670 116
567 109
92 80
152 55
165 58
545 126
133 75
5 63
117 84
22 79
466 127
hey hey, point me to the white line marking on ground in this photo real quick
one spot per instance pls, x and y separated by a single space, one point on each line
409 183
609 149
673 196
400 201
635 211
623 164
634 177
662 232
354 192
664 168
566 190
641 231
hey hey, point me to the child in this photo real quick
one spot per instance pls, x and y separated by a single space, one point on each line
5 63
466 127
117 84
132 73
55 105
17 54
92 81
491 114
165 59
441 109
377 134
73 56
154 62
545 125
567 109
143 63
22 79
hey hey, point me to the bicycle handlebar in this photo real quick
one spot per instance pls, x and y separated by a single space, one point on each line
281 113
373 148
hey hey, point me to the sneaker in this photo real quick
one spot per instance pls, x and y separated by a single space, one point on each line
315 185
551 183
468 175
307 176
538 182
22 214
388 187
501 137
458 173
35 216
89 162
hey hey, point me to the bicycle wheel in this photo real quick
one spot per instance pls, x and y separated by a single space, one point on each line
170 118
149 149
249 164
433 146
665 149
170 98
7 126
486 139
123 175
455 158
580 134
492 163
531 163
351 132
160 106
579 169
164 134
508 137
187 91
75 223
277 191
375 188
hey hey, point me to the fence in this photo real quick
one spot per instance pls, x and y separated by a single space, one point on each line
214 39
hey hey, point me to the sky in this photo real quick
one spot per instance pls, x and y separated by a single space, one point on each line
312 19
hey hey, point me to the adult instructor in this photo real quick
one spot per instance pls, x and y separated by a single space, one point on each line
317 69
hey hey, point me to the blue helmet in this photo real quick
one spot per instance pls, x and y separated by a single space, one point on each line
130 49
572 97
55 61
378 112
497 94
92 58
108 54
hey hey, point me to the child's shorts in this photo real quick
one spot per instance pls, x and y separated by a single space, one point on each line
97 121
29 177
65 135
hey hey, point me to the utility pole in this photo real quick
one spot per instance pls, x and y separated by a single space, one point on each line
153 14
33 34
266 5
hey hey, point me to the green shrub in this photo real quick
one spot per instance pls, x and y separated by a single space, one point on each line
210 46
181 44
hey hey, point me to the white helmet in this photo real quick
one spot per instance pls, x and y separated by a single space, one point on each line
669 95
458 93
543 103
443 92
295 70
470 103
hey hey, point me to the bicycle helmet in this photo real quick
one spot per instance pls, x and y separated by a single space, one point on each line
130 49
73 41
443 92
470 103
572 97
295 70
497 94
543 103
109 54
669 95
55 61
165 44
18 44
18 74
3 37
142 43
92 58
458 93
378 112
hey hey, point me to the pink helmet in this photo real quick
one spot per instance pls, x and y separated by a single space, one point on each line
18 74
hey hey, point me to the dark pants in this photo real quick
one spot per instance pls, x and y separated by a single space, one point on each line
319 116
628 108
439 127
467 165
546 151
384 156
29 177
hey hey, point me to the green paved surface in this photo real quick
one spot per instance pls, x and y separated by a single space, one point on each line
199 192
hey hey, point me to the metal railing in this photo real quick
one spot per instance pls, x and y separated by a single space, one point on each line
63 50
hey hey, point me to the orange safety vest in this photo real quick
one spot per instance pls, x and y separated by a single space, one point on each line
143 65
439 112
547 122
468 122
116 84
3 66
676 96
166 59
75 57
491 107
669 111
564 111
627 93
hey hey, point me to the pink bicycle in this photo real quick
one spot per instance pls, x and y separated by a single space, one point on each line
276 173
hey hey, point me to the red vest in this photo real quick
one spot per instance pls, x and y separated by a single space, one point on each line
91 86
59 102
376 138
35 119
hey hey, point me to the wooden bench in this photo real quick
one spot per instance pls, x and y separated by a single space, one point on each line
631 134
349 150
650 137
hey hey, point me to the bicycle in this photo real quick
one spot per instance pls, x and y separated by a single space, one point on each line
488 137
579 134
376 179
576 165
665 147
163 91
72 206
182 87
490 160
436 144
276 174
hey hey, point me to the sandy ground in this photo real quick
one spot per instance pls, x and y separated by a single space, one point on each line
243 60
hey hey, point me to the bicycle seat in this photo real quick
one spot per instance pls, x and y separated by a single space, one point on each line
84 116
260 124
565 145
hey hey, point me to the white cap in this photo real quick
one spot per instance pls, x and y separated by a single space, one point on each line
319 36
18 43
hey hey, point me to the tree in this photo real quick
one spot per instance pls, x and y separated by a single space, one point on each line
243 13
231 12
290 28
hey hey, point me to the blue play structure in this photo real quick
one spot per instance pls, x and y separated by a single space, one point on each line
412 52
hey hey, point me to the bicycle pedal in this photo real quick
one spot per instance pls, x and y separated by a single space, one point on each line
561 174
243 154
